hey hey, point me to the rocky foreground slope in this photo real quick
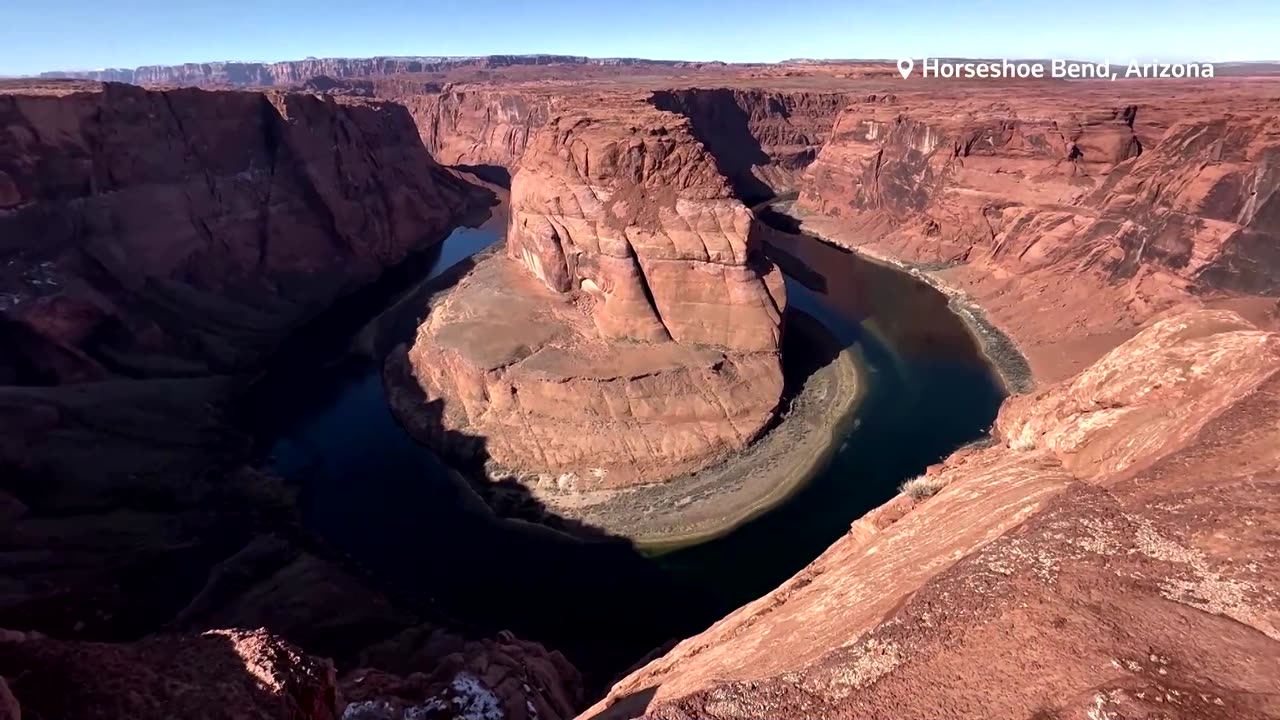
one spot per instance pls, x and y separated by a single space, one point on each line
630 334
1114 553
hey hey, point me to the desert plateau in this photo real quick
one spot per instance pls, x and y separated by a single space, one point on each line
536 387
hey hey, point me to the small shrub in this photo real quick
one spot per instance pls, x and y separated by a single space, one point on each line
920 488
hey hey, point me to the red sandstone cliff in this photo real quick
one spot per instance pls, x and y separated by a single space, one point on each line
1102 210
761 138
149 240
632 333
479 127
1114 554
185 231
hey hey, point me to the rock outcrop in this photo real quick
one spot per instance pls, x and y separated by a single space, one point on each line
184 232
150 241
226 673
256 674
1126 521
499 678
631 333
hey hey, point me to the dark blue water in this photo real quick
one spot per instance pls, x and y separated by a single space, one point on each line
377 495
927 390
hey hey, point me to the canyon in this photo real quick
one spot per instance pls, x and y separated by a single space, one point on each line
1108 552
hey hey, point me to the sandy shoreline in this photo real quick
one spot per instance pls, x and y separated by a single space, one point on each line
1001 351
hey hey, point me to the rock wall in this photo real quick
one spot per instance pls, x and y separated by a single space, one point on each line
1114 554
761 139
1194 198
641 220
296 71
183 232
148 241
632 331
481 129
1100 211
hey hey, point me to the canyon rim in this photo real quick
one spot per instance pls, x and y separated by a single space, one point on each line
171 236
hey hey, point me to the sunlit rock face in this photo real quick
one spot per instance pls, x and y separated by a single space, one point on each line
1116 520
631 331
641 220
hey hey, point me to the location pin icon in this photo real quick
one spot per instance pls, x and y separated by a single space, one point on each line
905 67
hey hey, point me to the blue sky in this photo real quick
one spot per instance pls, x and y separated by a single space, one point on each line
40 35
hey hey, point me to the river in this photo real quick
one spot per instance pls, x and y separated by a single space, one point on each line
377 495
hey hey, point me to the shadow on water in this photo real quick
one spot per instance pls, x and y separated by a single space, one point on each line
385 500
495 174
379 496
927 390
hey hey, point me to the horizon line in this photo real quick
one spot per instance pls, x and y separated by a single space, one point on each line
446 58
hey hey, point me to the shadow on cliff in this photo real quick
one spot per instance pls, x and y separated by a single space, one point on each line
720 124
495 174
195 676
507 561
426 534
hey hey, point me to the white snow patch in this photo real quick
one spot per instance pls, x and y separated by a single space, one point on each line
474 700
369 710
423 712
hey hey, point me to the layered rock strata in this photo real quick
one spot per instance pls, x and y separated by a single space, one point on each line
185 232
1129 200
1125 520
1113 554
289 72
631 331
762 139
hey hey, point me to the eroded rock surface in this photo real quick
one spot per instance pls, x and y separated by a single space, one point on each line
1126 521
631 331
184 232
225 673
761 138
1100 210
503 678
255 674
